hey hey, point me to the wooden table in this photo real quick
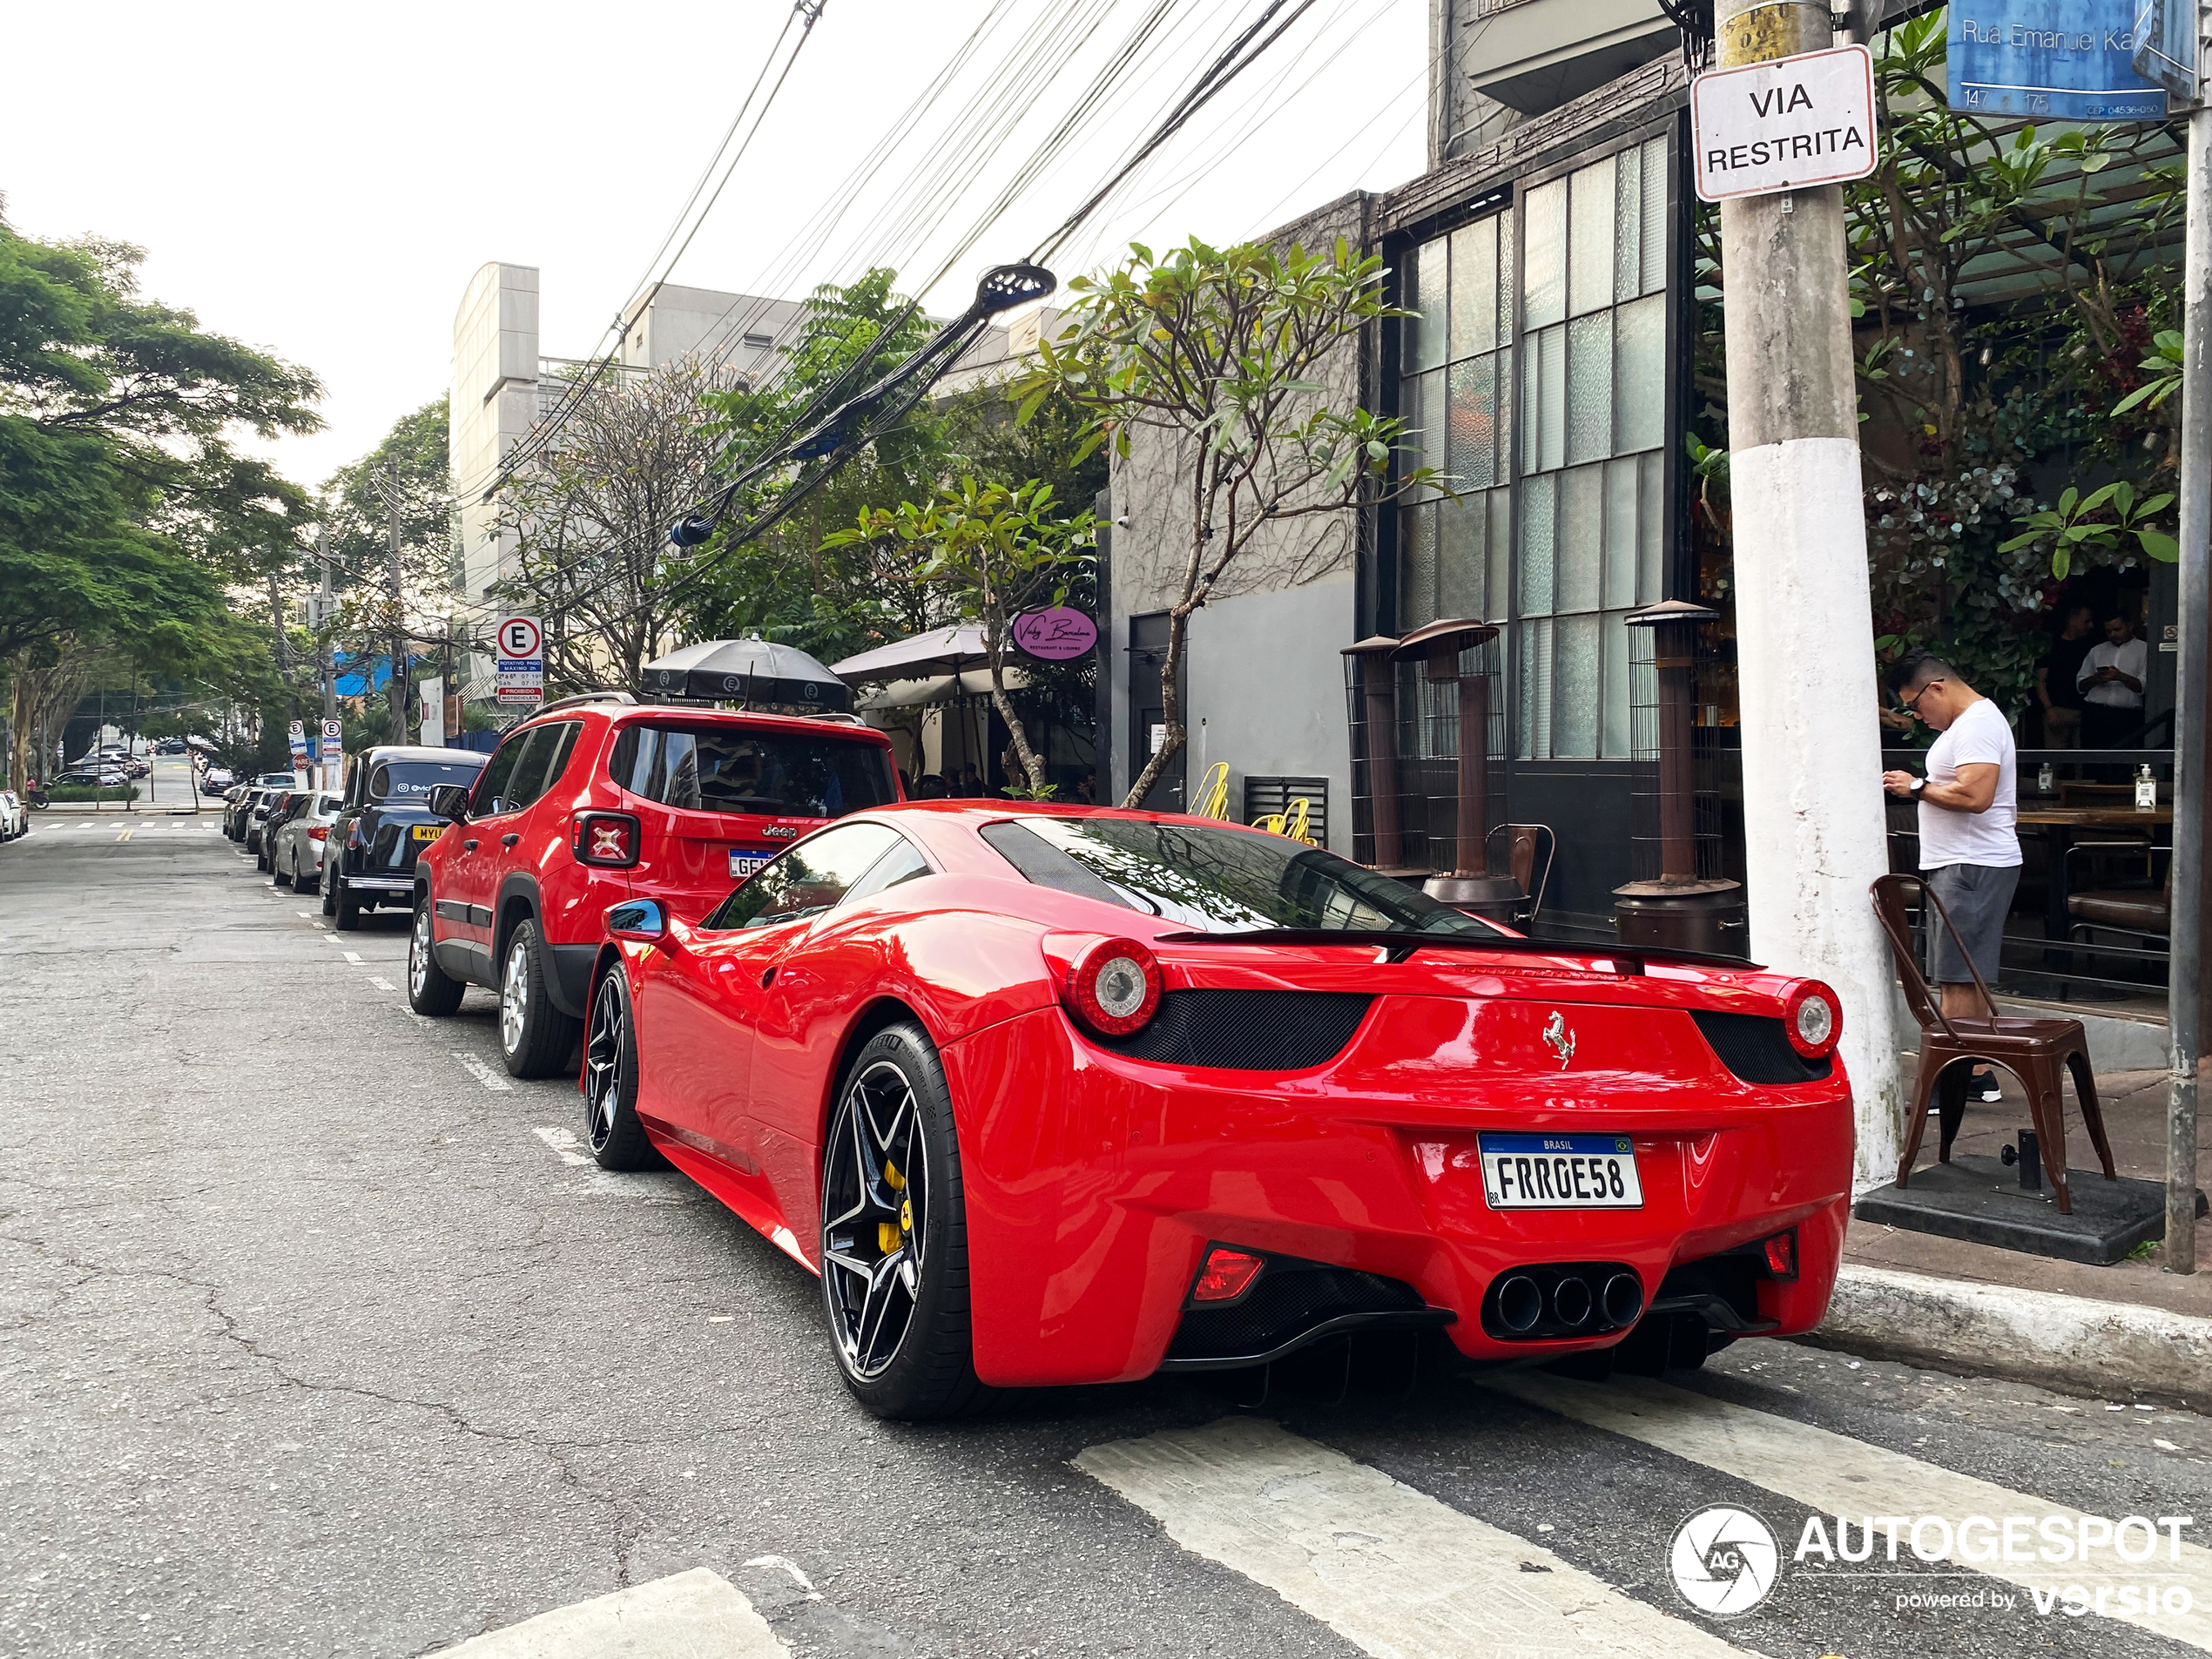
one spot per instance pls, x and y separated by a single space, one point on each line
2059 825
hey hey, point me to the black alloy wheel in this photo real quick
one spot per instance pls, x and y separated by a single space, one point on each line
895 1234
611 1124
345 909
430 989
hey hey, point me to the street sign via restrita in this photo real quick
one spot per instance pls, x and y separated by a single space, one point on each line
518 645
1788 125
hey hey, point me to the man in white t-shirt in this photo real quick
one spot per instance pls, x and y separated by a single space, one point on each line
2111 679
1970 849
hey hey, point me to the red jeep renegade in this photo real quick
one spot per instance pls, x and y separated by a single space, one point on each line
594 800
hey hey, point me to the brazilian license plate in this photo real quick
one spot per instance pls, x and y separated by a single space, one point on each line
428 832
743 864
1559 1172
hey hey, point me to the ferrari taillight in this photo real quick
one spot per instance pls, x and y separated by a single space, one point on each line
1225 1275
1813 1017
605 838
1781 1253
1113 987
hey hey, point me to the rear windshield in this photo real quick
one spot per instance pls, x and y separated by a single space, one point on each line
1218 880
728 769
412 780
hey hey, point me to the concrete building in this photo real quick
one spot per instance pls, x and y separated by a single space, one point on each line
504 384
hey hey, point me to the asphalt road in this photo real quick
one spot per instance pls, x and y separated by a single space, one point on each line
317 1337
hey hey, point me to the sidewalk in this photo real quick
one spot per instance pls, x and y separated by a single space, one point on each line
2119 1331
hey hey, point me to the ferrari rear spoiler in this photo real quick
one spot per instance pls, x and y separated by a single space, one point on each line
1628 960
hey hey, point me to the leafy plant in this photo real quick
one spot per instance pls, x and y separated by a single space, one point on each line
994 551
1222 353
2164 369
2072 525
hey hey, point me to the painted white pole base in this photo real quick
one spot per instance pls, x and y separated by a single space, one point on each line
1814 829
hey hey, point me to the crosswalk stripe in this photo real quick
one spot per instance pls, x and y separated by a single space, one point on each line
1390 1569
699 1615
1835 1475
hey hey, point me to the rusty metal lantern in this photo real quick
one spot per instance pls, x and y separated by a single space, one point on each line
1371 697
1679 898
1451 687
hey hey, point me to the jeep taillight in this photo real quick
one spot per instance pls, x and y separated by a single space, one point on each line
608 839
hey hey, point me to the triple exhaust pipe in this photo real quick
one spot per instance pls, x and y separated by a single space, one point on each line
1569 1299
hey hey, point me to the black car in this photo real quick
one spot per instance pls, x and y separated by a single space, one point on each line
369 858
236 801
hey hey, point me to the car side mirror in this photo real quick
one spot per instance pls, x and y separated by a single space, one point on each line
449 800
640 921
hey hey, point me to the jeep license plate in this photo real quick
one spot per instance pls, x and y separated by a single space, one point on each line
1559 1172
743 864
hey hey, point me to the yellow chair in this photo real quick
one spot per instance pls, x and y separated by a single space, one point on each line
1294 823
1212 799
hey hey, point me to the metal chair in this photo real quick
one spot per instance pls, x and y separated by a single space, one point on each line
1530 850
2038 1052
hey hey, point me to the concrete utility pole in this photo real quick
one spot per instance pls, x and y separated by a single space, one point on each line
1814 828
396 690
2185 1007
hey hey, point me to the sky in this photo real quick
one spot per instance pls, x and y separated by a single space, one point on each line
321 181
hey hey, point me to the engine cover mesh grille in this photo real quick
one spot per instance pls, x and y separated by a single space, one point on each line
1247 1030
1757 1049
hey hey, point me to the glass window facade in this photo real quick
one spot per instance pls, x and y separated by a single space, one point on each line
1560 524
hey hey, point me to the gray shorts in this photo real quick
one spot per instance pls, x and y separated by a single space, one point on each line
1977 896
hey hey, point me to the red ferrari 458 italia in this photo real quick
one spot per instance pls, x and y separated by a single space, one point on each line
1052 1095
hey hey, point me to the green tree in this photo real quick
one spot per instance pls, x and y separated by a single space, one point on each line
1220 352
994 552
787 584
386 607
125 506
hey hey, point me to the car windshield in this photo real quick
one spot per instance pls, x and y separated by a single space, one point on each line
413 779
729 769
1218 880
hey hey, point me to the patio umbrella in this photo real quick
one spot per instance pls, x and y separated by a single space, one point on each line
749 671
940 689
926 656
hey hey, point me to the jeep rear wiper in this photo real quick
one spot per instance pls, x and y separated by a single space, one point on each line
1399 944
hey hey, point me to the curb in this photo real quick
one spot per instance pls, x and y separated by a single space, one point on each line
2069 1343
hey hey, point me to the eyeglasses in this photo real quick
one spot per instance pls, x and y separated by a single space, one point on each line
1912 704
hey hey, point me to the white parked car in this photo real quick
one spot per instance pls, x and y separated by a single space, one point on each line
14 819
296 845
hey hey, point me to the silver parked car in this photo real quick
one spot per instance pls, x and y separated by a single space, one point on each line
296 845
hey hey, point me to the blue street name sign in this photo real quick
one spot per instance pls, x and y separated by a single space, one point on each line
2057 60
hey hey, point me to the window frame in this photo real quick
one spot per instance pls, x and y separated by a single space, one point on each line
1396 371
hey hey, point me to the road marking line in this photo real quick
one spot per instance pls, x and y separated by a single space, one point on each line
383 984
1390 1569
1835 1475
483 1073
354 957
125 836
309 914
695 1613
564 1141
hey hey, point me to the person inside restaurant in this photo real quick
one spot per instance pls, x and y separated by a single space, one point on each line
2111 678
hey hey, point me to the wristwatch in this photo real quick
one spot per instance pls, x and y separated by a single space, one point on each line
1917 785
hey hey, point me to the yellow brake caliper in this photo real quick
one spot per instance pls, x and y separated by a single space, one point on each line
889 1235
